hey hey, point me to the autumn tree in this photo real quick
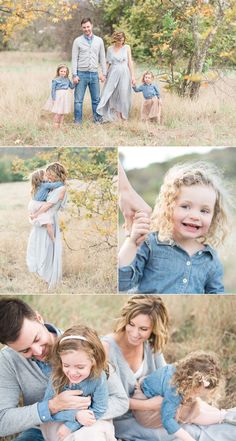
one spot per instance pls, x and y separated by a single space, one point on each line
186 36
17 14
92 180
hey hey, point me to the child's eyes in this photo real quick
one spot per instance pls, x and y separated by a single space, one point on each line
185 206
205 211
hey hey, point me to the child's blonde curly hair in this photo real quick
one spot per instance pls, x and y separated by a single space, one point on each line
197 369
192 173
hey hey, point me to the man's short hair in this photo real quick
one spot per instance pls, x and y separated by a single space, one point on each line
13 311
85 20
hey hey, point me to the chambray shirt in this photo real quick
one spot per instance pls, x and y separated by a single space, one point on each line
158 383
60 83
148 90
165 268
44 188
95 387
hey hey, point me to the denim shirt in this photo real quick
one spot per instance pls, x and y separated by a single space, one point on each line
165 268
95 387
158 383
44 188
148 90
60 83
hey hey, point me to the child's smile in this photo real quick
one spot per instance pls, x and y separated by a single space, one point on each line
193 212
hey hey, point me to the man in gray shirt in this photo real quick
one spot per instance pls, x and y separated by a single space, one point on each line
25 369
87 52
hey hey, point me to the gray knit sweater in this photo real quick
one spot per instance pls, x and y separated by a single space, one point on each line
87 56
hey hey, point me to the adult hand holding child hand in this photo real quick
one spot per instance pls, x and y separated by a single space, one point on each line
86 417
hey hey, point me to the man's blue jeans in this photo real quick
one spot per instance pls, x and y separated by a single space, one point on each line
91 80
30 435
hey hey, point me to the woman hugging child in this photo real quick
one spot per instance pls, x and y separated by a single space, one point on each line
151 107
40 187
190 216
185 386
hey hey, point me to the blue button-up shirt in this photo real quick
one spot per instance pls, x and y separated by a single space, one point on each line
148 90
159 383
61 83
96 387
166 268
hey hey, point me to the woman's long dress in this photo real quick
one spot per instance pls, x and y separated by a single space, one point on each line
44 256
116 93
126 426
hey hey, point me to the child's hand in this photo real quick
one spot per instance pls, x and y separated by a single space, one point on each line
32 216
86 417
140 227
63 432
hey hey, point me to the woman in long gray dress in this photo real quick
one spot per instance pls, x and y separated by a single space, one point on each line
44 256
115 102
133 350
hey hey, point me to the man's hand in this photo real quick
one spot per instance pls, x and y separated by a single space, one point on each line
69 399
76 80
63 432
86 417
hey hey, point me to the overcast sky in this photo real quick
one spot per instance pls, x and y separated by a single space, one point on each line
139 157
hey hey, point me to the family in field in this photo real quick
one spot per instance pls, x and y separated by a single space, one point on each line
118 78
48 196
173 249
74 386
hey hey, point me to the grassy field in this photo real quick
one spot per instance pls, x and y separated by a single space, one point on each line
78 265
197 322
26 77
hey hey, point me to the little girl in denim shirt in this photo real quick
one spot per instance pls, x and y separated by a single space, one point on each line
78 363
185 386
60 101
190 216
151 107
40 188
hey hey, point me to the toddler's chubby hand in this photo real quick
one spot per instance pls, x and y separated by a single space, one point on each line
63 432
32 216
86 417
140 227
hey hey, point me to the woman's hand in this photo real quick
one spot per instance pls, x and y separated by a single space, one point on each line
133 81
63 432
86 417
153 403
69 399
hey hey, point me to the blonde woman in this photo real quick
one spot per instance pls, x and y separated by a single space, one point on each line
135 350
115 102
43 253
191 216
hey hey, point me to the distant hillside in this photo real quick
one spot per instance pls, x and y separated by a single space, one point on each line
147 181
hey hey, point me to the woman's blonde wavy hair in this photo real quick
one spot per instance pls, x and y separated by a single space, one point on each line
36 179
197 369
154 308
58 171
92 346
192 173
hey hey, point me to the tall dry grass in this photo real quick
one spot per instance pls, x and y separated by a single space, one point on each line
26 77
78 264
197 322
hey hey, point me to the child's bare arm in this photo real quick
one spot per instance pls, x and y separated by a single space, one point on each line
140 228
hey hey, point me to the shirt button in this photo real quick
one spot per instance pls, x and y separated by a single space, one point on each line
199 252
188 263
43 418
185 280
